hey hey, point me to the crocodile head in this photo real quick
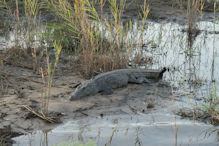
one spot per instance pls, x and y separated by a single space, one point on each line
85 89
161 73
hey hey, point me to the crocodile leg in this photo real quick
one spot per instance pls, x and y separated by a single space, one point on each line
139 80
143 80
107 91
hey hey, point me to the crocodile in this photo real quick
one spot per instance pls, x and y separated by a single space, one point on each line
106 82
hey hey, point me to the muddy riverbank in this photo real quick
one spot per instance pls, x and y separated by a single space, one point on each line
24 89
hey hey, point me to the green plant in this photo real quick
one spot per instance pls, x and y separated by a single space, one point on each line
192 9
145 9
34 32
31 8
212 106
214 51
46 93
12 11
24 19
77 28
213 99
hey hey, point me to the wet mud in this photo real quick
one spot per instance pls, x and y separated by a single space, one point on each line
144 101
24 91
6 135
162 11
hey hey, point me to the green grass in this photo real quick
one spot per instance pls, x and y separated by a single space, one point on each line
212 106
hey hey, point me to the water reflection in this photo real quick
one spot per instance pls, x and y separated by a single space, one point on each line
45 138
192 58
138 141
138 131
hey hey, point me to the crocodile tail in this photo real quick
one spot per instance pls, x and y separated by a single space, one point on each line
161 72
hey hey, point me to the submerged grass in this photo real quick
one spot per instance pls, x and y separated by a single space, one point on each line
212 106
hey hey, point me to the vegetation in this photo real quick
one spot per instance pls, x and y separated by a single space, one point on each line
77 28
212 106
99 43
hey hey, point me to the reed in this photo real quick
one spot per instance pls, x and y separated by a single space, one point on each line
48 81
212 106
79 30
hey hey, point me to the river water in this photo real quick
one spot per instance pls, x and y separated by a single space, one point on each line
123 130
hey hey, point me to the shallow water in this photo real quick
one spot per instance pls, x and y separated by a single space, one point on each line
167 44
192 63
125 130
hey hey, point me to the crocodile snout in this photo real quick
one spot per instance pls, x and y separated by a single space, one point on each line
72 97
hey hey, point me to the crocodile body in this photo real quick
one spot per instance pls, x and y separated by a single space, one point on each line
108 81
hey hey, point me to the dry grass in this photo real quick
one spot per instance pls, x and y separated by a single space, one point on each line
77 28
40 115
91 64
81 22
18 57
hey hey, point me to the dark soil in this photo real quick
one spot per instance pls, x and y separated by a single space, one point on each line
6 133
